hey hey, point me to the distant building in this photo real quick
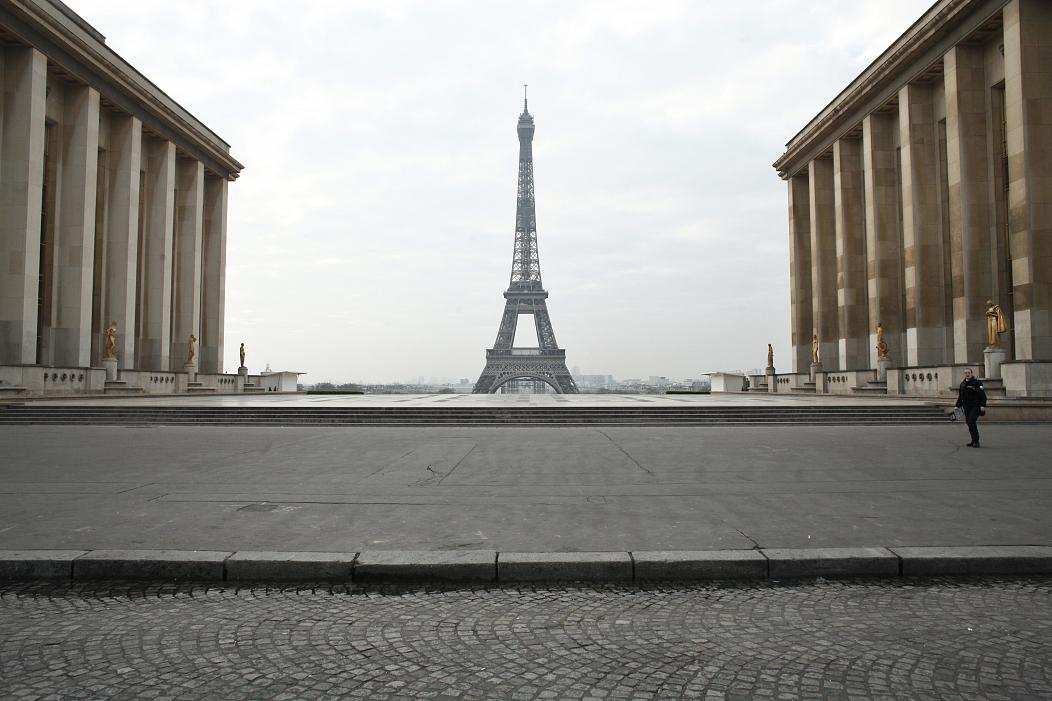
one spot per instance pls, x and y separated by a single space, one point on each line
918 193
114 209
595 380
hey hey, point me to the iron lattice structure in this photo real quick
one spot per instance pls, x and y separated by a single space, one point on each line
525 295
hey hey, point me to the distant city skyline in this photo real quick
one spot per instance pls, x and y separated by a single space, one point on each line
371 230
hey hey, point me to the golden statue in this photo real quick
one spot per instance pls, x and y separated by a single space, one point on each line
191 346
995 323
814 350
241 352
770 356
882 347
111 340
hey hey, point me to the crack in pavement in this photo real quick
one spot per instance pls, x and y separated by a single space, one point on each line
755 545
473 446
634 461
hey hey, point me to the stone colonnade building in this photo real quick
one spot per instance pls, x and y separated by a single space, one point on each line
921 191
113 208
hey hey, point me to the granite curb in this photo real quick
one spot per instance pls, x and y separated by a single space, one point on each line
487 566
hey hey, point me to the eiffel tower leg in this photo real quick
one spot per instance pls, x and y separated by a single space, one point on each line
508 323
564 380
545 334
486 383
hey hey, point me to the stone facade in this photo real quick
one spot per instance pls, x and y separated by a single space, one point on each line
921 191
113 203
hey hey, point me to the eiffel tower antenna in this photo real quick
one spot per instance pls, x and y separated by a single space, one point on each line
525 101
525 295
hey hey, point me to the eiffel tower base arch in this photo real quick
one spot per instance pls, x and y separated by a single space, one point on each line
545 366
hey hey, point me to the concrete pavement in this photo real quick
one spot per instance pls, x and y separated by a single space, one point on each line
521 490
551 489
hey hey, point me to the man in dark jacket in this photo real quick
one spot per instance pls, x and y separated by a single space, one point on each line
971 397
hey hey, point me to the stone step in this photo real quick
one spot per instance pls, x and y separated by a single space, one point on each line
28 410
121 388
491 416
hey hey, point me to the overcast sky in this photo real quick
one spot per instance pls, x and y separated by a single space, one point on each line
370 234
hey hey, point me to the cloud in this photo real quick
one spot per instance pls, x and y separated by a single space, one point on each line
370 235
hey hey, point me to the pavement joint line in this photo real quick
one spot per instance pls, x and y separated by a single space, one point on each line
208 565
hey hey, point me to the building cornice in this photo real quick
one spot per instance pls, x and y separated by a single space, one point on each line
945 24
77 49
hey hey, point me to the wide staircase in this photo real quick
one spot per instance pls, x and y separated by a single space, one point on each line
89 414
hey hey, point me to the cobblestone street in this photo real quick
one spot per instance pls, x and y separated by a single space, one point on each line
932 639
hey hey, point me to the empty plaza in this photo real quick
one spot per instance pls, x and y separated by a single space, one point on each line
523 487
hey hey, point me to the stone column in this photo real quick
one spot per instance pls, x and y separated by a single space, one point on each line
800 271
823 261
122 236
213 282
75 227
883 240
1028 115
23 75
852 313
186 305
926 323
155 341
967 173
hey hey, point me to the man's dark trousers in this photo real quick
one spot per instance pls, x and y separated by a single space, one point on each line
971 417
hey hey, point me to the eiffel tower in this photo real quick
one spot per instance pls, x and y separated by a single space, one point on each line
525 295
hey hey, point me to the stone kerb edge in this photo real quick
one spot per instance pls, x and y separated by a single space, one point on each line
276 566
194 565
38 564
565 566
490 566
831 562
699 565
975 560
425 566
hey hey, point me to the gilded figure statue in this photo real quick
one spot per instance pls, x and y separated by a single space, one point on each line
995 324
815 360
770 356
111 340
882 347
191 347
241 352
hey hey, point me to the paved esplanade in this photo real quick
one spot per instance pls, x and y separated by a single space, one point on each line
927 639
521 489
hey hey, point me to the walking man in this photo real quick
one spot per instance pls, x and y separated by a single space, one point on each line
971 397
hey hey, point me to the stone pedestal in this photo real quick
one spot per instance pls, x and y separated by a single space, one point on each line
994 356
242 371
191 371
882 369
772 380
110 364
815 369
